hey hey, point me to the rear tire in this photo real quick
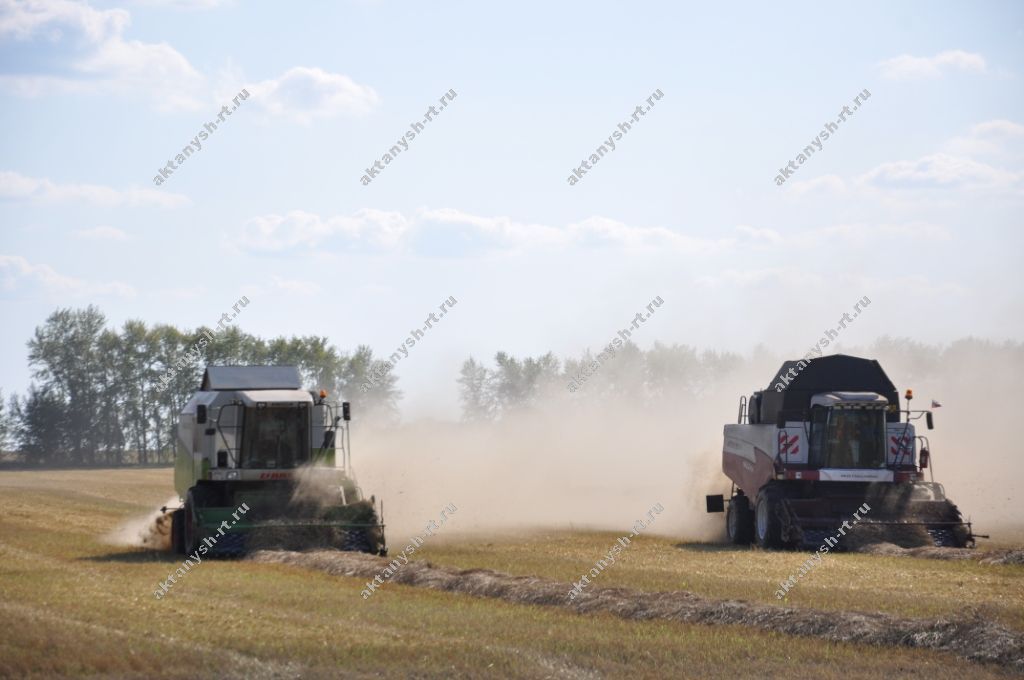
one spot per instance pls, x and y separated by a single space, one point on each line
739 521
189 528
198 497
178 531
767 526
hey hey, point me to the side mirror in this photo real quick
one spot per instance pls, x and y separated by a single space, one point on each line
780 420
201 414
346 411
928 420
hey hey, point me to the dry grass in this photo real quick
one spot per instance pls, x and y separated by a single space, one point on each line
71 605
970 638
910 587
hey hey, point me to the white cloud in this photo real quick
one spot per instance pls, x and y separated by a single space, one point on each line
63 46
18 274
999 129
604 231
991 138
17 186
939 171
498 230
103 233
907 67
299 287
304 93
86 51
393 230
186 4
760 234
54 19
792 277
383 231
300 229
956 167
824 184
870 235
506 232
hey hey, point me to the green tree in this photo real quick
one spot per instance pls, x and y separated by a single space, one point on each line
517 384
40 430
111 396
174 385
139 370
371 386
475 392
6 424
64 355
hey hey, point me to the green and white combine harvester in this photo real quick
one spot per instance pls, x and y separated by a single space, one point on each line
265 463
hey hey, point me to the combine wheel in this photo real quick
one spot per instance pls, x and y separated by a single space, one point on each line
739 521
189 531
178 531
198 497
768 527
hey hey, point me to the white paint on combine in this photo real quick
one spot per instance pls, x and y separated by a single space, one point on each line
791 444
901 442
842 475
743 449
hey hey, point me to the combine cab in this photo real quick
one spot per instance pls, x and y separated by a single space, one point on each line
826 444
263 462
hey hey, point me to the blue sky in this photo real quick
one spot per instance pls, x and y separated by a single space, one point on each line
915 201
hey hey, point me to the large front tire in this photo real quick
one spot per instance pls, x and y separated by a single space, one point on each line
739 521
767 525
178 531
190 530
198 498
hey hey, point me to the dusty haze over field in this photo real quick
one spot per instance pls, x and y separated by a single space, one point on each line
564 465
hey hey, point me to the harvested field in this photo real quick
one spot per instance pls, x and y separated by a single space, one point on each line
971 638
69 582
997 556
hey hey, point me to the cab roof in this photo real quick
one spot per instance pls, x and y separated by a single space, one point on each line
216 378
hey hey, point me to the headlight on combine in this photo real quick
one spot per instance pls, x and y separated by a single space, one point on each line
234 474
222 475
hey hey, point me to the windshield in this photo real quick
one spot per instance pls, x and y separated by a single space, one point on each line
848 438
275 437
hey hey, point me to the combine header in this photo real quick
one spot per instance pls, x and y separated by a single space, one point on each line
826 437
264 462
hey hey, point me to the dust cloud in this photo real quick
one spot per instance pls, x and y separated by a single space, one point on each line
311 490
977 453
560 465
570 463
151 531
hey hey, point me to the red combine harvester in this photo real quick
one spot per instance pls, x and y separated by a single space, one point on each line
824 438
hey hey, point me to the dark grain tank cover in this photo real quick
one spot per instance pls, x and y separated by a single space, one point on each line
790 392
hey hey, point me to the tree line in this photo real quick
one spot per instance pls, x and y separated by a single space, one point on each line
617 373
674 376
106 396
